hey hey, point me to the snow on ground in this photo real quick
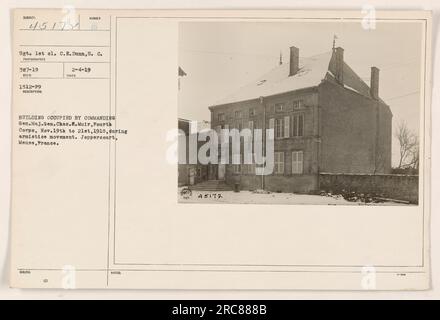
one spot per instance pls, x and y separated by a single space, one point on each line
248 197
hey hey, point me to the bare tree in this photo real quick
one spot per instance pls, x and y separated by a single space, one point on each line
409 147
414 155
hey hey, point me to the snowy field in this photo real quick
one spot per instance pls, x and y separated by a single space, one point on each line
248 197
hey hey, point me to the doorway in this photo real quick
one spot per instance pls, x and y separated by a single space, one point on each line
221 171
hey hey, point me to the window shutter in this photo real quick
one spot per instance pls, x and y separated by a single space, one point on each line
286 127
295 125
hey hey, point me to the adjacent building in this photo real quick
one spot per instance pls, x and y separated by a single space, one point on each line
325 119
189 173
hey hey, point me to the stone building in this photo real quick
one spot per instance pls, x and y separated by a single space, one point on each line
325 118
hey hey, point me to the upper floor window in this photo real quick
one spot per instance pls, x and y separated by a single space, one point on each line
237 114
270 109
251 112
297 104
272 124
286 127
221 117
251 125
279 107
278 128
298 125
240 125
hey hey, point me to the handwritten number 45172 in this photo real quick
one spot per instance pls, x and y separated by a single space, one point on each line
62 26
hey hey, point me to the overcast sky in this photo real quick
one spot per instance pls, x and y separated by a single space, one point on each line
220 57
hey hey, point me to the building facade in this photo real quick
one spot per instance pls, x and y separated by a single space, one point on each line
325 119
189 173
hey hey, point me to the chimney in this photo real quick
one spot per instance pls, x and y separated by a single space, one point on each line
339 65
294 61
374 83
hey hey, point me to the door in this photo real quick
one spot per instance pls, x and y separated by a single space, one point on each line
192 175
221 171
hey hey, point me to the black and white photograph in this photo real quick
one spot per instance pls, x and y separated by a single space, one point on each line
323 112
239 153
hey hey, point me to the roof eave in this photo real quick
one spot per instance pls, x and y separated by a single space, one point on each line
311 88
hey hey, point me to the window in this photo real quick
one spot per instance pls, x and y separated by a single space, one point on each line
286 127
221 117
237 114
218 130
298 125
251 168
237 168
251 112
279 162
272 123
251 126
278 128
279 107
297 162
240 125
297 104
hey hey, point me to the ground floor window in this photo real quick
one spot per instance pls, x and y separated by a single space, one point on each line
237 168
279 163
248 169
297 162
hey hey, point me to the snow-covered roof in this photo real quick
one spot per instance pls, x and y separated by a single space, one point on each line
312 71
198 125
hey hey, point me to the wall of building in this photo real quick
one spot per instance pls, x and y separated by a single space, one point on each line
399 187
355 132
308 143
185 168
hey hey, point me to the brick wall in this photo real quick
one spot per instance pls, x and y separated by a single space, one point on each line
399 187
